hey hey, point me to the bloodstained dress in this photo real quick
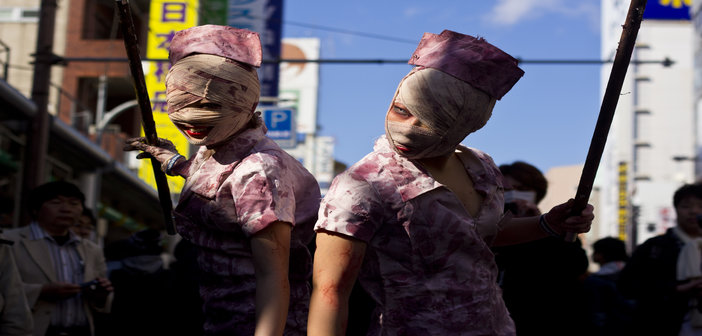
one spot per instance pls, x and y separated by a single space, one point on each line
246 185
428 264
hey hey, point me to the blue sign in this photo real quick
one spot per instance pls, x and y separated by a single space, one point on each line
272 46
667 10
281 125
264 17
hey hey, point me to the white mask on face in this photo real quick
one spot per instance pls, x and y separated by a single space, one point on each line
231 85
450 108
419 140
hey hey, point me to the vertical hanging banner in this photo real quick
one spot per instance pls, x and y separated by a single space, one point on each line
265 18
165 18
623 213
324 162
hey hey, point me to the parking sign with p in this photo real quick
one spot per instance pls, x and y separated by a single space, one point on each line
281 125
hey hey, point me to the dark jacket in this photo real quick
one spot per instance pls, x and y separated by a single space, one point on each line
610 313
542 286
649 278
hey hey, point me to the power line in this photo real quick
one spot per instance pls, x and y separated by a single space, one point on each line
665 62
348 32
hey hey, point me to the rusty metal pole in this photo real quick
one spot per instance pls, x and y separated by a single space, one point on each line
34 161
147 120
622 58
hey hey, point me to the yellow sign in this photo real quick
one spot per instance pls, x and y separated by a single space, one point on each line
623 213
165 18
676 3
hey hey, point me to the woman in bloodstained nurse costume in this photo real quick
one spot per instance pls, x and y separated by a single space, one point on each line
414 219
247 206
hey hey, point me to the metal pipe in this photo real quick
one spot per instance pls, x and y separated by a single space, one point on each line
147 119
38 128
609 104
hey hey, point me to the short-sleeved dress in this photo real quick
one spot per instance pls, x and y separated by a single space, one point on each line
229 196
427 264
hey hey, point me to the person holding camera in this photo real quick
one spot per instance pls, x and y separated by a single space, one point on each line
664 274
63 275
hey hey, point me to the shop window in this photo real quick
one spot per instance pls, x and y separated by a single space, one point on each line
100 21
119 90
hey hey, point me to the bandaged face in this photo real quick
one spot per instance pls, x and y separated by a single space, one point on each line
443 110
211 98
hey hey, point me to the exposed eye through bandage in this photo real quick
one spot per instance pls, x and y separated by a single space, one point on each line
449 107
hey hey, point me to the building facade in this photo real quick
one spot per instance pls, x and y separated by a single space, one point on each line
82 29
652 145
93 107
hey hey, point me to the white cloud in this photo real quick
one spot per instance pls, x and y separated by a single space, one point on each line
511 12
589 10
411 12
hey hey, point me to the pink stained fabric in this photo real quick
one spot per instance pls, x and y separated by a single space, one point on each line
246 185
237 44
428 264
470 59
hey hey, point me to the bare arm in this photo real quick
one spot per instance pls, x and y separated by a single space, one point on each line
271 252
337 262
520 230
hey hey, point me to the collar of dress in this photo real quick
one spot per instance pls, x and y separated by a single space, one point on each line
412 180
222 162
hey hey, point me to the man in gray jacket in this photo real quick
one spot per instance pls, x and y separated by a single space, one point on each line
15 317
64 276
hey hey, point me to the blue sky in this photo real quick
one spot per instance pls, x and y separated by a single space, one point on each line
547 119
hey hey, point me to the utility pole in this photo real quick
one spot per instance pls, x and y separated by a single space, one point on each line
38 128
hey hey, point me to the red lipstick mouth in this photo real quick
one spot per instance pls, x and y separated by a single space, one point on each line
197 132
402 148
